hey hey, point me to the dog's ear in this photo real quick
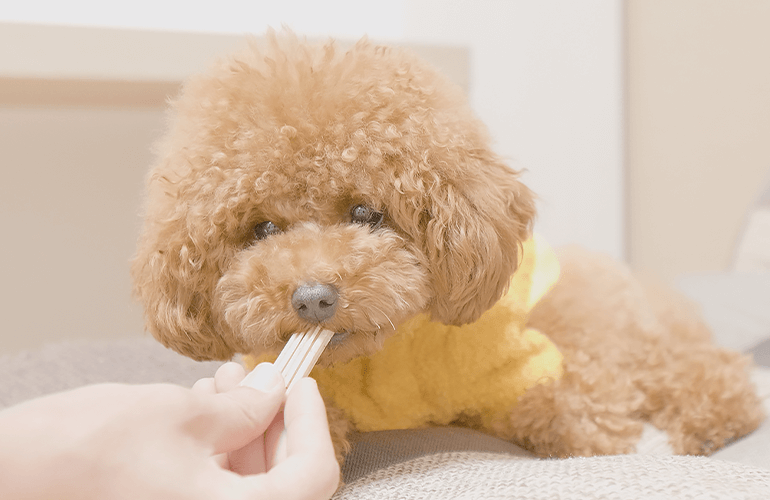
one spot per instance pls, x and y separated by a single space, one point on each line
473 236
175 278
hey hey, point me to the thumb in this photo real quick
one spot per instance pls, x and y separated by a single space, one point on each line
245 412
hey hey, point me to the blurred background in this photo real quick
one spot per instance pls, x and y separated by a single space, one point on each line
643 125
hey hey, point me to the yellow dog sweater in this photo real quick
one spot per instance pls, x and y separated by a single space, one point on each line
430 373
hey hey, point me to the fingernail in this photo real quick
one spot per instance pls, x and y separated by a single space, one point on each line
264 377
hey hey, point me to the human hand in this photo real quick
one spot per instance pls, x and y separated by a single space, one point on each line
269 448
161 441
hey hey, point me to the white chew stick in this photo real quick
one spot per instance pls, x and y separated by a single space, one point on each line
301 353
317 344
292 364
288 351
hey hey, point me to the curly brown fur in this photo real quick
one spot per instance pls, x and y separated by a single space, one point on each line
633 353
296 136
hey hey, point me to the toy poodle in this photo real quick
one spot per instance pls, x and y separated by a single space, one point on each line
303 184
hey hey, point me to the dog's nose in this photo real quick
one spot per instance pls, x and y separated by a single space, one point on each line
315 302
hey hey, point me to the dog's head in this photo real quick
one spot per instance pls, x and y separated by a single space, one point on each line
301 184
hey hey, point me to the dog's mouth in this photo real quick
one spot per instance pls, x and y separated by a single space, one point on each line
346 345
338 339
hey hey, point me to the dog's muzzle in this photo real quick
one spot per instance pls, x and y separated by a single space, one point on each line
315 302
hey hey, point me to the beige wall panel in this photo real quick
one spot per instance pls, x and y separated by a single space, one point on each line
69 202
698 128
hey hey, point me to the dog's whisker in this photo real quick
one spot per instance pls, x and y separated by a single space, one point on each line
386 317
370 319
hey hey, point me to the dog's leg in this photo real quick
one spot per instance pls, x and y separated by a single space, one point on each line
582 414
632 353
339 428
703 399
700 394
596 317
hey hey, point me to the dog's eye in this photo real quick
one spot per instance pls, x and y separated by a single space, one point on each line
265 229
361 214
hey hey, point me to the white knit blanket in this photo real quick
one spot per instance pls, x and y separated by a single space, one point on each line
466 475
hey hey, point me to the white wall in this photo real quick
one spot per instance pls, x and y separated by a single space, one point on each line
547 79
339 18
